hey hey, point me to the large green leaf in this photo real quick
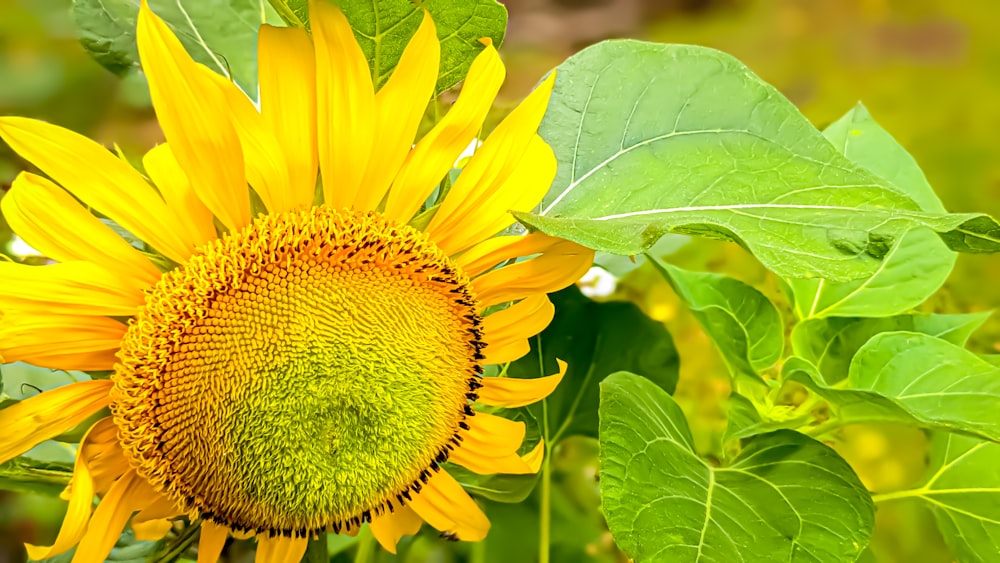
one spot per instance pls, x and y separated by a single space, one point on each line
222 34
595 339
911 378
743 323
786 497
915 268
830 343
963 492
703 146
934 380
27 475
384 27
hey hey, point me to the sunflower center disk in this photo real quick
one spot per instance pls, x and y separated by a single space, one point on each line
300 374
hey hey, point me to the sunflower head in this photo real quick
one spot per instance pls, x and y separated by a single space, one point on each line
314 366
337 350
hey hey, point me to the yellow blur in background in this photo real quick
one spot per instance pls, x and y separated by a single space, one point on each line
928 70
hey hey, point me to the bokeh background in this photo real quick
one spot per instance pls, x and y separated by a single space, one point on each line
928 70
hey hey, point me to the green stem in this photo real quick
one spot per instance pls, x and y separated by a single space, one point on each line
821 429
316 551
908 493
545 523
181 543
366 546
478 552
545 510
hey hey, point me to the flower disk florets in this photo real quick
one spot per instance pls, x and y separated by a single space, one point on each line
300 374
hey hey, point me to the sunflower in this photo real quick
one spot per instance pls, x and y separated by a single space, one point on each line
297 332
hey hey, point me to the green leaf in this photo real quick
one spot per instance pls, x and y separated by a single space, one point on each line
294 12
860 138
500 487
745 419
786 497
915 268
384 28
912 378
27 475
830 344
595 339
743 323
934 380
703 146
221 34
963 492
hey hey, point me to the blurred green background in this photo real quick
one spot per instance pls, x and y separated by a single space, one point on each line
928 70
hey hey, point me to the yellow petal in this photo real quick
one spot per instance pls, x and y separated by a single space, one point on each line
511 392
287 76
49 414
345 104
109 519
399 107
443 503
212 540
266 168
55 224
99 179
391 526
64 342
191 111
280 549
107 465
512 153
81 500
192 216
436 153
152 530
158 507
486 207
543 274
486 462
496 434
490 252
507 331
103 455
68 288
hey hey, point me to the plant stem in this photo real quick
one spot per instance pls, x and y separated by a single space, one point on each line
366 546
545 510
478 552
316 551
181 543
908 493
821 429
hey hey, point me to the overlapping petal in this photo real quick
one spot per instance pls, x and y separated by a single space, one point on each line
287 76
48 414
345 99
191 110
435 154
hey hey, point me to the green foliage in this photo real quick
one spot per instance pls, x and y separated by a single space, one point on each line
221 34
786 497
830 344
384 28
26 475
703 146
739 319
915 268
595 339
963 492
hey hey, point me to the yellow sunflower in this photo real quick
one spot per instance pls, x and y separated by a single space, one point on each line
290 355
